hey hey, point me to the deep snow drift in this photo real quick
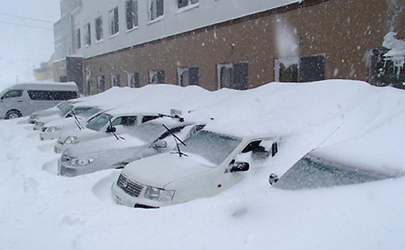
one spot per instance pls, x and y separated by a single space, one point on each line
39 210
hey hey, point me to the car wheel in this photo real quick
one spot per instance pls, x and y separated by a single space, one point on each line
12 114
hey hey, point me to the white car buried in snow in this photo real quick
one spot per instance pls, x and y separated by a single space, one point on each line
79 112
211 162
144 140
107 124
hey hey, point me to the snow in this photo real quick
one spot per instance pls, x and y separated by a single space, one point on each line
396 51
39 210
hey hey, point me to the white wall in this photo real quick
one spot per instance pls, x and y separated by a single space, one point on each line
174 21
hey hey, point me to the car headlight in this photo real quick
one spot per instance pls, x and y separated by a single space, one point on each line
53 129
159 194
71 140
81 161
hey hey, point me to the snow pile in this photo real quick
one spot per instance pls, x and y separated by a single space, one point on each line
39 210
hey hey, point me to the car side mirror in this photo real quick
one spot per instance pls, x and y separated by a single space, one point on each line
111 129
273 178
238 167
159 144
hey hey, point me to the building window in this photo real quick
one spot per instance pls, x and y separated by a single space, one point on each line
185 3
156 76
99 28
87 34
132 14
133 80
188 76
300 69
89 86
383 71
78 39
114 23
233 75
155 9
115 80
101 83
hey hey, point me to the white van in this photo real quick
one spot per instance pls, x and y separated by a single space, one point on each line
23 99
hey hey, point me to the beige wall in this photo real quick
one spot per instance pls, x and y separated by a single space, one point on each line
343 30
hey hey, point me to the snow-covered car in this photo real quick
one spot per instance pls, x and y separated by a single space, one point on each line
105 124
210 161
335 165
62 108
147 139
23 99
76 113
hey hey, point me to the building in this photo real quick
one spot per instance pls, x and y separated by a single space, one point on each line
237 44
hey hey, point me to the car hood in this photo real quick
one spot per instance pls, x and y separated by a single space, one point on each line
160 170
79 133
109 143
47 119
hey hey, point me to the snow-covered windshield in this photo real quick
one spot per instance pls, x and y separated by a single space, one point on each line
98 122
147 131
85 112
64 108
313 172
211 146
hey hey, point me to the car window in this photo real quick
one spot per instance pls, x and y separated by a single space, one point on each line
127 121
149 117
98 122
212 146
314 172
147 131
12 93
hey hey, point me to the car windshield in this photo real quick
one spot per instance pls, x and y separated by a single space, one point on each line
98 122
212 146
148 131
85 112
65 108
313 172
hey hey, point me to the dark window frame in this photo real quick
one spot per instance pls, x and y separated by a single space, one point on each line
233 75
98 23
113 18
131 13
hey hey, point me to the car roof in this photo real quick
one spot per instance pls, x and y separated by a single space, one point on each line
69 86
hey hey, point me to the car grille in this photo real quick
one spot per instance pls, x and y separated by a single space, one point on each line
39 124
129 187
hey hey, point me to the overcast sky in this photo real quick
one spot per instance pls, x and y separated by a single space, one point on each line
25 42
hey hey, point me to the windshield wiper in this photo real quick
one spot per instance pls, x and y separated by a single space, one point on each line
177 140
77 122
113 131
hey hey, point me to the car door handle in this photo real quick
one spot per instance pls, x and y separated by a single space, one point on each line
20 101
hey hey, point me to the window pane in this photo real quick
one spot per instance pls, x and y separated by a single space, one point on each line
13 93
129 15
240 76
99 28
312 68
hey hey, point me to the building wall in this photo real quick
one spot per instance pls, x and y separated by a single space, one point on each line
174 21
344 31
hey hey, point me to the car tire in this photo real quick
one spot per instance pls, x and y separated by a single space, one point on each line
12 114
